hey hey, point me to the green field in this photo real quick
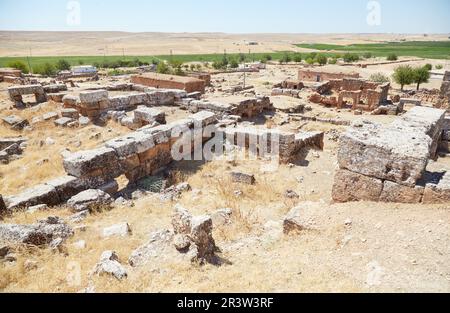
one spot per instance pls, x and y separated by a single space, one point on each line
89 60
421 49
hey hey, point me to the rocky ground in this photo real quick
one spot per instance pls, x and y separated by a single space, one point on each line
353 247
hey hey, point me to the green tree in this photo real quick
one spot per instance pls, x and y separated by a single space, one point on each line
350 57
403 75
241 57
310 61
286 58
63 65
439 67
421 75
428 66
19 65
297 57
367 55
321 59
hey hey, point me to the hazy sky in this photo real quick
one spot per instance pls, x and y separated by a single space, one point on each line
231 16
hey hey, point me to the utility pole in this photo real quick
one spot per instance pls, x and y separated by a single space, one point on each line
29 62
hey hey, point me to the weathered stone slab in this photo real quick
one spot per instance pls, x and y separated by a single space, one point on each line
83 163
67 186
93 96
7 142
203 118
15 122
349 186
239 177
70 101
384 152
396 193
70 113
149 115
92 200
40 194
63 121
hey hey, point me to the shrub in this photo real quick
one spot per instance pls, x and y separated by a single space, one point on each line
428 66
268 57
392 57
350 57
367 55
234 63
379 78
439 67
332 61
198 67
19 65
403 75
46 69
241 57
310 61
163 68
63 65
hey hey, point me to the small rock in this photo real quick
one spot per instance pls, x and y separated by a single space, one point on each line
181 242
36 208
222 217
81 244
30 265
290 194
92 200
49 141
348 222
109 265
79 217
244 178
122 230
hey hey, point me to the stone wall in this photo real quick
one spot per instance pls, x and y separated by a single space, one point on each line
16 93
388 162
320 76
188 84
259 141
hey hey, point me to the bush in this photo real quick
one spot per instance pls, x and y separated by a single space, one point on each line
392 57
403 75
428 66
163 68
63 65
310 61
379 78
297 57
439 67
350 57
268 57
367 55
332 61
234 63
46 69
117 72
19 65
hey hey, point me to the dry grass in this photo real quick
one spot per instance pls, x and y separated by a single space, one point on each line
41 162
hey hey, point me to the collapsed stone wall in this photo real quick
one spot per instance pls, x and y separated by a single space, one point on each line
244 108
136 155
94 103
189 84
388 163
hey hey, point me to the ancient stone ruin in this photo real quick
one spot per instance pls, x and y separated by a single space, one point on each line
388 163
321 76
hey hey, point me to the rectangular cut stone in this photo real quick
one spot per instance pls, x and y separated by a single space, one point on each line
149 115
349 186
384 152
82 163
40 194
310 140
426 120
93 96
396 193
437 188
124 146
204 118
